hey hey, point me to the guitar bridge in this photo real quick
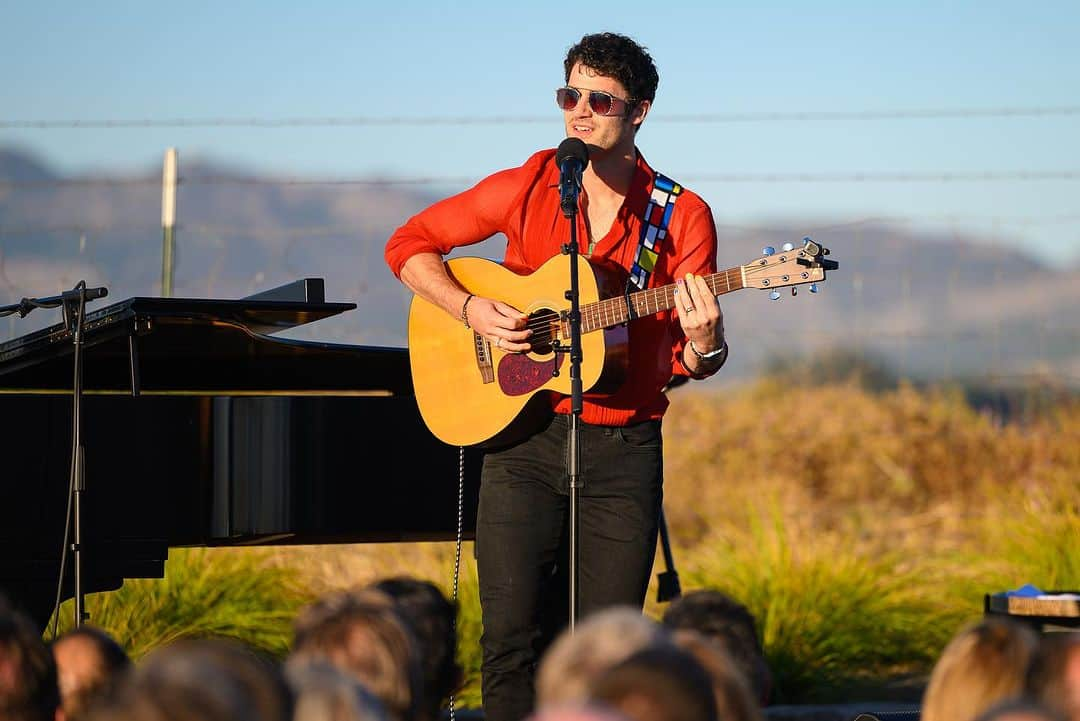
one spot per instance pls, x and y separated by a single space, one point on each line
482 347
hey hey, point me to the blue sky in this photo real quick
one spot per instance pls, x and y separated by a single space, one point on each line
482 61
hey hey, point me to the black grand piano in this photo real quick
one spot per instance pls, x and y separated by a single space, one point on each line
202 429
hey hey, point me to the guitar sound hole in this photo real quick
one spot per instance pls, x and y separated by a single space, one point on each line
545 327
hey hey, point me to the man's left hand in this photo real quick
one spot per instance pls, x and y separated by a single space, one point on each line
699 313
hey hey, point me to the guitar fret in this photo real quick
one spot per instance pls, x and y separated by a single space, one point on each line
613 311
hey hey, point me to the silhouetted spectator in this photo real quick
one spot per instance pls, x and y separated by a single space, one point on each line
734 700
983 665
659 683
1053 678
432 619
326 693
600 641
199 680
1019 710
28 686
88 663
577 712
718 616
362 633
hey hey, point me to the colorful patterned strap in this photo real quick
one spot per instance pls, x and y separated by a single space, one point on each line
653 230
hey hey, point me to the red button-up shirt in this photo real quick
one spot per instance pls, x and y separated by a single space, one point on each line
523 204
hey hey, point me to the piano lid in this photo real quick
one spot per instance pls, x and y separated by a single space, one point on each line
191 346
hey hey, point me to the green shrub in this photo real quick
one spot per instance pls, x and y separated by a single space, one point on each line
205 593
1031 536
831 617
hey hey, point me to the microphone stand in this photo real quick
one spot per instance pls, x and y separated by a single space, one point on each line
73 303
576 393
78 460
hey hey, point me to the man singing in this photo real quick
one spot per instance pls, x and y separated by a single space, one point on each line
659 233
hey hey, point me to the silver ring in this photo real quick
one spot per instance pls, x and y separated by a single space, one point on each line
688 308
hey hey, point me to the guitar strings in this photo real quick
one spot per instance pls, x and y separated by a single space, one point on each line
615 304
597 310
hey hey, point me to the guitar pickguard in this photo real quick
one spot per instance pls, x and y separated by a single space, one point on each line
521 374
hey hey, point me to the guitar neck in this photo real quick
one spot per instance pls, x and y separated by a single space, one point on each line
614 311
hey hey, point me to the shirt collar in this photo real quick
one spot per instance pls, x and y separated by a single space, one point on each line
637 199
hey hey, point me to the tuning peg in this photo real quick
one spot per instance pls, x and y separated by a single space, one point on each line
768 250
787 246
813 288
794 290
775 295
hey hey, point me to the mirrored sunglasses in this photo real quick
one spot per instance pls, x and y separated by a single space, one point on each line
600 102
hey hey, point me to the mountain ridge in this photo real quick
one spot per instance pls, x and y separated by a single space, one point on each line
933 304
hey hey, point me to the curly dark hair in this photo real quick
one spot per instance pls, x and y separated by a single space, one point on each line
431 617
619 57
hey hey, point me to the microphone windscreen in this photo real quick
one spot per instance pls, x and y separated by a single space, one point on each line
572 148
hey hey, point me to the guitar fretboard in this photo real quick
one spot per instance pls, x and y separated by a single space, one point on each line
613 311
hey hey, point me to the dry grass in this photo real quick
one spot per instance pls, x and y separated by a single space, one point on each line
861 528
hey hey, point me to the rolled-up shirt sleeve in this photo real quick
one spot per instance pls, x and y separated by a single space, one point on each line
463 219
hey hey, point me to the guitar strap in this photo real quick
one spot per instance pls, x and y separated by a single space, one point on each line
654 224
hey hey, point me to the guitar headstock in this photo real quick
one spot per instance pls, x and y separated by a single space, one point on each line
789 267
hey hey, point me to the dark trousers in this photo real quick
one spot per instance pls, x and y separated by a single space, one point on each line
522 544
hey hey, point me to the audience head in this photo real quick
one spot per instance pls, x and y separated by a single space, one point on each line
981 666
432 618
28 686
325 693
1019 710
599 642
88 664
717 616
1054 675
200 680
361 633
734 700
577 712
658 683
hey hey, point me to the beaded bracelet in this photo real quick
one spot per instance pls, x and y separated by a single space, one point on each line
465 311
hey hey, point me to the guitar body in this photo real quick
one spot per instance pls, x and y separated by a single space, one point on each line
470 392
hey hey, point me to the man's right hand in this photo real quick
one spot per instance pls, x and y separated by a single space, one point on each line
502 324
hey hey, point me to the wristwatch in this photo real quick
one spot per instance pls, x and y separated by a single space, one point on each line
722 350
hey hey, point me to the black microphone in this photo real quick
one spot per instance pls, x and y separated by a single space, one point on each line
571 157
26 305
91 294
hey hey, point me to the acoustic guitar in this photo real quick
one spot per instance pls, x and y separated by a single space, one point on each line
471 392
